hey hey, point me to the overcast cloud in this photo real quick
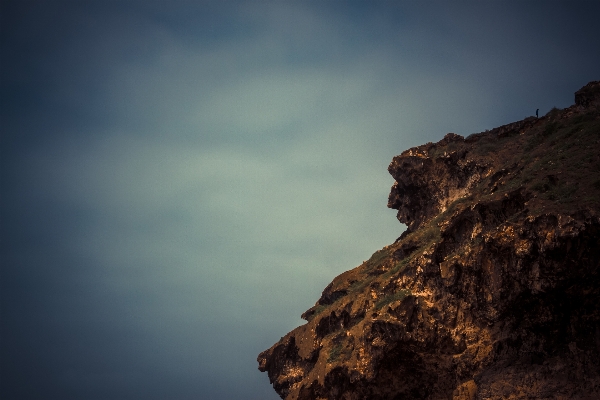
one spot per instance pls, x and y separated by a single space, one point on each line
181 179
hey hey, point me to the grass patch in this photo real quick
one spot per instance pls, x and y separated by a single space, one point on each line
319 309
431 232
377 259
561 193
399 295
314 312
338 351
359 286
401 265
335 352
428 233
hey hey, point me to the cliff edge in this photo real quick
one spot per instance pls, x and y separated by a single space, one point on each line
493 291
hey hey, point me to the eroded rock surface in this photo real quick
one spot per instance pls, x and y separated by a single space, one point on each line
493 291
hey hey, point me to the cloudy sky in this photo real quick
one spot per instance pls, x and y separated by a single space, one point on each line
181 179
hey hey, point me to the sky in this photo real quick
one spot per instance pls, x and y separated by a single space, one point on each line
181 179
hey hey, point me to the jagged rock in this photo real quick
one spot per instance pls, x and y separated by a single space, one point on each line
493 292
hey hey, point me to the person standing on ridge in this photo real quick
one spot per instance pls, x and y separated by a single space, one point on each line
536 113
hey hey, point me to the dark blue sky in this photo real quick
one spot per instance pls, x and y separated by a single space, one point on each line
181 179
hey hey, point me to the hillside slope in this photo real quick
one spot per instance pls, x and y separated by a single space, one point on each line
493 292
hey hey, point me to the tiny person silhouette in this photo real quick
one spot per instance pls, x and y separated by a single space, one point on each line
536 113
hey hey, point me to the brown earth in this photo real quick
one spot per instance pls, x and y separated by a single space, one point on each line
493 291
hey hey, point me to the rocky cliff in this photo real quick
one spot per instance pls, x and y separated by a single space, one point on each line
493 291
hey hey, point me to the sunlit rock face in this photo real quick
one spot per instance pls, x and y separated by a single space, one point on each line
493 292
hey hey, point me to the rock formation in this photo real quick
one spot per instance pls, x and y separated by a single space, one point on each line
493 291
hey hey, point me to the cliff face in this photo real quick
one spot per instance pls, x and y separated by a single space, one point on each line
493 292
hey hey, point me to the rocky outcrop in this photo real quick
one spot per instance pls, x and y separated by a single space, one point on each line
492 292
587 96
